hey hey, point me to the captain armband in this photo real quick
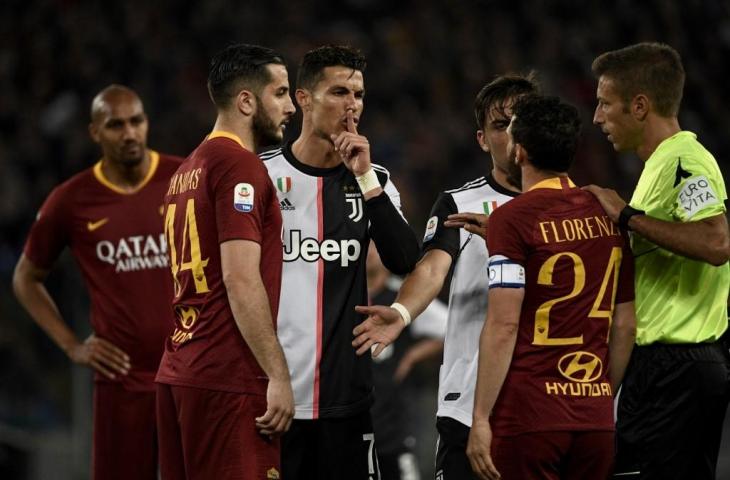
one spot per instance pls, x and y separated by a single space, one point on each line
505 273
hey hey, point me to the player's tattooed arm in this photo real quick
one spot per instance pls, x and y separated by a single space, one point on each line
100 354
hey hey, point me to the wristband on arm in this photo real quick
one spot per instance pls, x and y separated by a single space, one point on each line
404 313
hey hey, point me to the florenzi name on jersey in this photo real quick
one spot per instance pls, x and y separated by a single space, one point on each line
310 250
138 252
570 229
184 181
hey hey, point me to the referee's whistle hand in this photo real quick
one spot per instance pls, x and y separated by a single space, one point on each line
611 202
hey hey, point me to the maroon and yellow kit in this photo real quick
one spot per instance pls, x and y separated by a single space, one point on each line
221 192
577 265
117 240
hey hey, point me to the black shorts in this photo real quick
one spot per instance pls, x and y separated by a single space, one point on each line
451 460
671 411
330 449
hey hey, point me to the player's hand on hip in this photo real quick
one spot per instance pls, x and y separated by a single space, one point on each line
279 409
354 149
478 449
611 202
101 355
475 223
380 328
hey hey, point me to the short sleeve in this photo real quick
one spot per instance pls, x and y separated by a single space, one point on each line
504 237
625 288
699 192
49 233
242 192
438 236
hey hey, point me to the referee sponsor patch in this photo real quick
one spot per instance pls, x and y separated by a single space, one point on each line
505 273
696 194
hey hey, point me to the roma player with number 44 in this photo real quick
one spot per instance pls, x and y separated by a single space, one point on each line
560 321
224 393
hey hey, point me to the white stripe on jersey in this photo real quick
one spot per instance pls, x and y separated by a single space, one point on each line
467 308
299 338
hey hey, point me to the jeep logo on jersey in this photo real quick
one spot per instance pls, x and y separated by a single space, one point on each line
130 254
310 250
580 366
356 205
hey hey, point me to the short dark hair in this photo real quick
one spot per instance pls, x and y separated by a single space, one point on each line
502 88
548 129
239 66
654 69
315 61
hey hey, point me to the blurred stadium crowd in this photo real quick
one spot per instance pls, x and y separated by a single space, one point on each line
426 62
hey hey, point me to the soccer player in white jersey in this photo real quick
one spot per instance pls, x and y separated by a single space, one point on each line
444 246
333 201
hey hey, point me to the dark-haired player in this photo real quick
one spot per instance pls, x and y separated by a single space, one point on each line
224 393
333 201
443 248
110 217
675 396
560 297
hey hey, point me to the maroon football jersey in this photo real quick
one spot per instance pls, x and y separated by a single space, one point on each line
117 240
577 266
221 192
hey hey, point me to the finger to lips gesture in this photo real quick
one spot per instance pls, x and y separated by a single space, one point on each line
354 149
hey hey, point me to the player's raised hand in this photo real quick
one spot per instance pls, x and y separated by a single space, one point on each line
354 149
380 328
611 202
475 223
279 408
101 355
478 449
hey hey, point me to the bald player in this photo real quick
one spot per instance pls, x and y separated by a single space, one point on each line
109 215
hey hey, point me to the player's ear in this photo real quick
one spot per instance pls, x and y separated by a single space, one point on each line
481 140
520 154
304 99
640 106
246 102
94 132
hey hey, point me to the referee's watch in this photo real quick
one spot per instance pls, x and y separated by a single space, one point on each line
626 214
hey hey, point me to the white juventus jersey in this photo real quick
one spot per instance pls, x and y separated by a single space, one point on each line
326 236
468 294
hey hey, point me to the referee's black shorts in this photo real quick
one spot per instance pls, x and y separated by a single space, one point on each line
671 411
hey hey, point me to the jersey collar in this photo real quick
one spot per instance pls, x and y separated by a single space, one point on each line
555 183
154 162
228 135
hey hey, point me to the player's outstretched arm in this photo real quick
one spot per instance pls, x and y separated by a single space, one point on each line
101 355
678 237
249 303
621 343
384 324
496 346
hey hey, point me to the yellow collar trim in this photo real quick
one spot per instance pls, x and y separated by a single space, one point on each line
154 162
229 135
555 183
